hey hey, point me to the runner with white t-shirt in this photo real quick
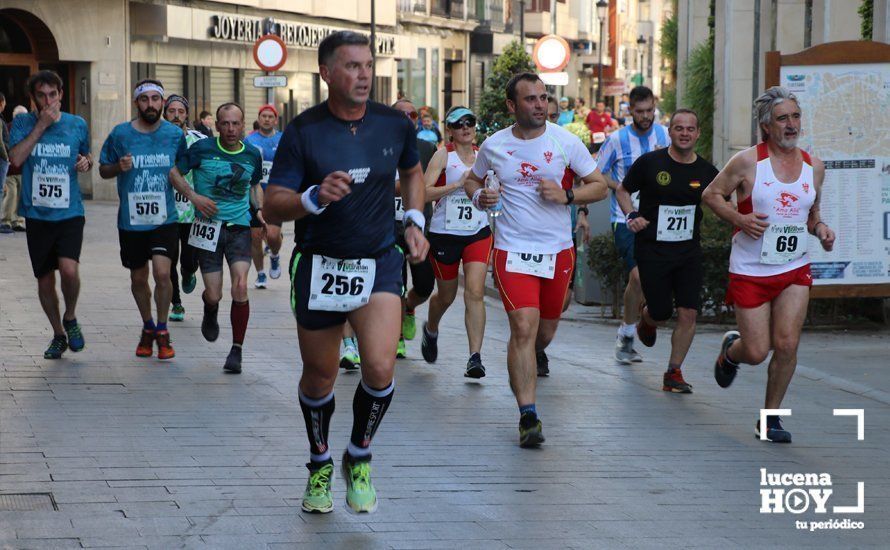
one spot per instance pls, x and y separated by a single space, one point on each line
459 232
778 188
533 252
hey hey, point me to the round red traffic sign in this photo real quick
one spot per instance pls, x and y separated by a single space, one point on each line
551 53
270 52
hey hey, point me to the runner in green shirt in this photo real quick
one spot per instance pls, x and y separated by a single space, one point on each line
225 176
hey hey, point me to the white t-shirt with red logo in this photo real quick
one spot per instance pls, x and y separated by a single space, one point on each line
528 223
783 246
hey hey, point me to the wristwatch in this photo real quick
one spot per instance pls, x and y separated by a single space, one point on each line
570 195
408 222
584 210
632 216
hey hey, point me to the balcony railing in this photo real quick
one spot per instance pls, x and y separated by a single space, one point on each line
448 8
413 6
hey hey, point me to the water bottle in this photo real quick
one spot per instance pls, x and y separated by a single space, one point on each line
491 182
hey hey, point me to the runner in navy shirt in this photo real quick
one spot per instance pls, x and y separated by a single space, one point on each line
334 168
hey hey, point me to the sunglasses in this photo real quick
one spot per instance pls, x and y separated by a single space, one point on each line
466 122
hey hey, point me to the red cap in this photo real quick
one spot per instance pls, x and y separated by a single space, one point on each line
268 107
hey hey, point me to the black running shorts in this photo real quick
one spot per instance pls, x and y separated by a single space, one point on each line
49 241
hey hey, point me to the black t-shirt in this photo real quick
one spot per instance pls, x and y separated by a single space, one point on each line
317 143
663 181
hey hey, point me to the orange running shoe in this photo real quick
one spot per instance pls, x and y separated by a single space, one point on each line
165 350
145 347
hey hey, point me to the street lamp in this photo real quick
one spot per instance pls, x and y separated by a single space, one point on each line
641 42
602 9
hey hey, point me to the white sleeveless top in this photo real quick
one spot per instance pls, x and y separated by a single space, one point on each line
783 246
459 217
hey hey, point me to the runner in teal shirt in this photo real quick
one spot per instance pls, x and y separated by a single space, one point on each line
51 147
225 173
224 176
146 184
49 180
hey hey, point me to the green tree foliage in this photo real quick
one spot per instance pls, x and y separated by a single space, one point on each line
493 114
699 95
866 12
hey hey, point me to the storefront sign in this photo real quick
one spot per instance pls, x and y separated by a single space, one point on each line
236 28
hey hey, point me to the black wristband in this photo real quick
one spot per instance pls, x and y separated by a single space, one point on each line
584 209
570 196
632 216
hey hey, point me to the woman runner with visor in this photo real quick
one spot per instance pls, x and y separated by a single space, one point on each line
458 232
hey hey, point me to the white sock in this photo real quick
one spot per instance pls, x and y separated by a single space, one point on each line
627 330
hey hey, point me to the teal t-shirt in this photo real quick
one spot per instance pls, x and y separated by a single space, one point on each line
50 191
145 193
224 176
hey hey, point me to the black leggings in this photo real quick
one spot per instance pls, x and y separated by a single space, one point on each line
187 256
422 277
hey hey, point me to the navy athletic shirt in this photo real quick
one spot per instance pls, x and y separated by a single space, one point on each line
317 143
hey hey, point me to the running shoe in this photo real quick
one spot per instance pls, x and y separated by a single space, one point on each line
233 361
146 344
635 357
317 498
531 431
624 349
673 382
165 350
75 336
543 363
647 333
209 325
5 228
260 280
360 494
350 360
275 267
189 282
58 346
401 351
429 346
774 430
475 368
724 370
409 326
178 313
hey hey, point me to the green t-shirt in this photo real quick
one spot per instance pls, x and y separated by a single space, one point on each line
184 207
224 176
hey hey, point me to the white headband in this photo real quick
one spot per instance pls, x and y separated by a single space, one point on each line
147 87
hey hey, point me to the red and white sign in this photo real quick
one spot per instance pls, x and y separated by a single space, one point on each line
551 55
270 53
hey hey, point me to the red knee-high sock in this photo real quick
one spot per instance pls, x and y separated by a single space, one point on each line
239 315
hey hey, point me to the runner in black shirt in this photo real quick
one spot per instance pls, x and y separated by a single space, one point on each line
667 227
334 168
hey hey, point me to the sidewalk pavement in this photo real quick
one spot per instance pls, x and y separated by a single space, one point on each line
143 453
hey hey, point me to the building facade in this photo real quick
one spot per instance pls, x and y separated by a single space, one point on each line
200 49
744 30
